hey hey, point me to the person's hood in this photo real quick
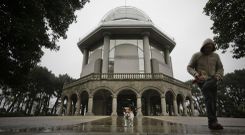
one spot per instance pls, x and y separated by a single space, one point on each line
208 41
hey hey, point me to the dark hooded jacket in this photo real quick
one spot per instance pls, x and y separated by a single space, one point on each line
206 65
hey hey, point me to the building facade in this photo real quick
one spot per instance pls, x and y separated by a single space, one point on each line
126 62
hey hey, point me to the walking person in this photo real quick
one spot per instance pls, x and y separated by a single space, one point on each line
206 67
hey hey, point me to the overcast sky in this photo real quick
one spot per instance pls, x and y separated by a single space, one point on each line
182 20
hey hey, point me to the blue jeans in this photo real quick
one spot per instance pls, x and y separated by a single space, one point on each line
209 91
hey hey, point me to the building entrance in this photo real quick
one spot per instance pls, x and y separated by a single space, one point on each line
102 103
126 98
151 103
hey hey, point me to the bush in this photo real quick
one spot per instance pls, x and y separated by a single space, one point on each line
12 114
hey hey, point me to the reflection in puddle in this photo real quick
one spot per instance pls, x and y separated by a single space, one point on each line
114 125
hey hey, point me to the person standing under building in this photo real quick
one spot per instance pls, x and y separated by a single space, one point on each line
206 67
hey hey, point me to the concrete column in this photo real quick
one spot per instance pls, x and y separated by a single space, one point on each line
139 105
61 106
85 60
175 106
90 105
146 47
163 104
68 109
184 108
192 107
114 106
171 66
166 56
85 57
106 52
78 105
72 108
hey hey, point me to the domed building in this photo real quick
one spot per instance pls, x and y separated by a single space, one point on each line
126 62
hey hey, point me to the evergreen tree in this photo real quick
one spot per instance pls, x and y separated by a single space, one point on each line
27 26
229 24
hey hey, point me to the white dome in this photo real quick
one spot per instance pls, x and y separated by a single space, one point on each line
126 13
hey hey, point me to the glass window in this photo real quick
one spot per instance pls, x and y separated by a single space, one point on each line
141 64
91 52
140 53
123 41
162 53
112 53
111 66
140 44
158 54
112 44
136 42
141 56
111 56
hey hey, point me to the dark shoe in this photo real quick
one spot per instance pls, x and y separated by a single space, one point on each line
215 126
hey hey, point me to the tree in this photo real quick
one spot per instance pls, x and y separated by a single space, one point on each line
26 26
229 24
41 87
42 82
60 81
197 97
231 94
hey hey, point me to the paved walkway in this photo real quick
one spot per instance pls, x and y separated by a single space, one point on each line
202 121
44 121
104 125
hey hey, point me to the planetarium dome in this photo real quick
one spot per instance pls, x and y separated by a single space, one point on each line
126 13
126 57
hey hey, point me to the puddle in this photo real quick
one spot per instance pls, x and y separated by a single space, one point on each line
114 125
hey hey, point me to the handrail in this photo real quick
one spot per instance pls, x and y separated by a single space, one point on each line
127 76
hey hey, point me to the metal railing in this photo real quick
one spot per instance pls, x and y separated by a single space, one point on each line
127 76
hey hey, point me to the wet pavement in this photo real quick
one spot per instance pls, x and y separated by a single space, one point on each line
114 125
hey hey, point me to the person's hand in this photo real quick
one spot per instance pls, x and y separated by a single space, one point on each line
199 77
217 77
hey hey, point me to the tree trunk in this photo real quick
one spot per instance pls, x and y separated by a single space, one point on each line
19 100
5 102
44 106
53 111
199 108
13 103
1 100
27 105
40 104
30 107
